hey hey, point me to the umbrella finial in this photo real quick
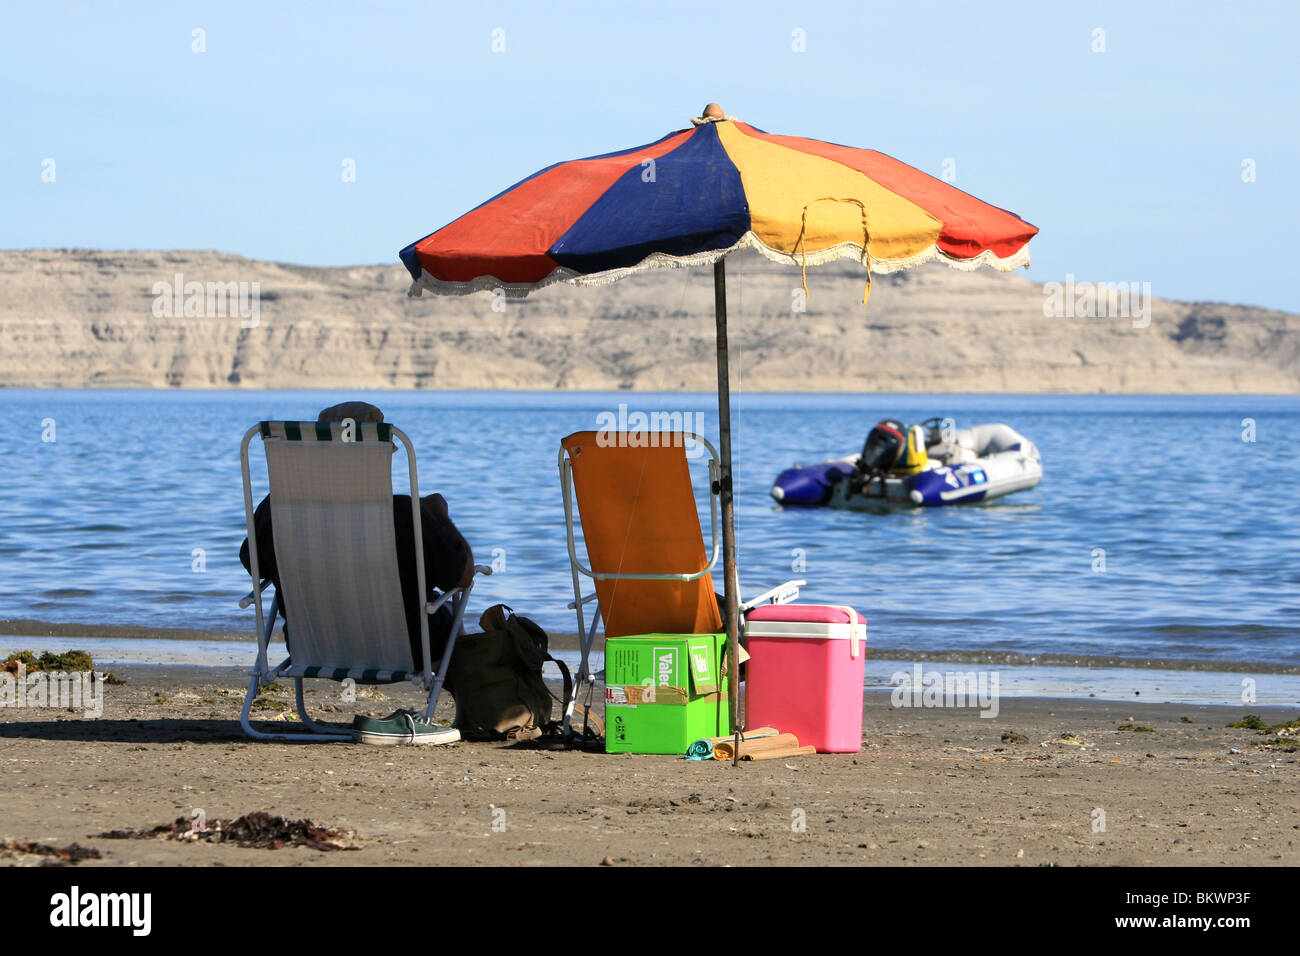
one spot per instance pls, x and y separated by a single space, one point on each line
713 113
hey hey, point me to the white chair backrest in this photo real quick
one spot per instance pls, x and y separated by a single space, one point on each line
332 515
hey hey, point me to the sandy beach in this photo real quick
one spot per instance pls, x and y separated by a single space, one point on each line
930 787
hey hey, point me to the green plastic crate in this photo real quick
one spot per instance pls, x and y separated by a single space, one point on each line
664 691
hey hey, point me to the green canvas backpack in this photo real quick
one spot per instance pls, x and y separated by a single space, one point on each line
496 679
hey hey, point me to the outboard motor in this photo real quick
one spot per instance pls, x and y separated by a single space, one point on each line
885 443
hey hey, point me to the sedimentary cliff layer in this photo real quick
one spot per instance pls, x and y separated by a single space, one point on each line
84 318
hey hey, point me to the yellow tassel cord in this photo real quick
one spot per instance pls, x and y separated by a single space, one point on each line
866 241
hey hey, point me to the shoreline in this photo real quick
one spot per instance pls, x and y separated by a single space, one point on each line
14 630
887 673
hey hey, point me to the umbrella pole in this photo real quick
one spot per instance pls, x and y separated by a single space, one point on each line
731 598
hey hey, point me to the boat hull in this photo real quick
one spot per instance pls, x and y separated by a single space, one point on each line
984 478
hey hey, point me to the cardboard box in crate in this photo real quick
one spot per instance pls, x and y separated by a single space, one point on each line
664 691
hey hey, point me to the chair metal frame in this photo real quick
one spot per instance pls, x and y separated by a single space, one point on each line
781 594
263 674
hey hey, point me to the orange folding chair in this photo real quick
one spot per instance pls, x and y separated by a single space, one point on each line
645 548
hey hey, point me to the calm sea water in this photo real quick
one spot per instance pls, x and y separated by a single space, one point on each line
133 513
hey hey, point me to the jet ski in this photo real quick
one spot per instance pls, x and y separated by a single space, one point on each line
931 464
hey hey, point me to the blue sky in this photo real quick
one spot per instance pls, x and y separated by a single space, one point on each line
1130 160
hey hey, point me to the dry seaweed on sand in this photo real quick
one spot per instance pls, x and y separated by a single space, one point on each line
1284 736
257 830
1255 722
1250 722
69 661
54 855
47 661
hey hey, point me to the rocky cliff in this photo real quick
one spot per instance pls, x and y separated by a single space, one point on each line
82 318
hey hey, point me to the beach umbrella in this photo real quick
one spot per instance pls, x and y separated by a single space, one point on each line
693 198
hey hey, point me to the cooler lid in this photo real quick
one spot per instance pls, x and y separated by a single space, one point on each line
821 622
808 613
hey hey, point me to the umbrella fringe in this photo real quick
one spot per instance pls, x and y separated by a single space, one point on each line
659 260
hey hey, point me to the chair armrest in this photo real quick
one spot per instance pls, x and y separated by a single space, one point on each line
781 594
247 599
587 600
431 606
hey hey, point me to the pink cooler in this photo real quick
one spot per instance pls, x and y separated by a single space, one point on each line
805 673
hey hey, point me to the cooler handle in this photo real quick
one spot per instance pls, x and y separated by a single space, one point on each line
856 626
856 630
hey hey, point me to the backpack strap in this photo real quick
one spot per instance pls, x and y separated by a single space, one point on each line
530 636
568 684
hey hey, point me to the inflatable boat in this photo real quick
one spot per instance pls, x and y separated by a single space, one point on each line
957 466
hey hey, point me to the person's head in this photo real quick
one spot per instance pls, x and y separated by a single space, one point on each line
357 411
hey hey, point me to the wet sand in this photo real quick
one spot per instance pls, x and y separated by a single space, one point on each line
931 786
190 646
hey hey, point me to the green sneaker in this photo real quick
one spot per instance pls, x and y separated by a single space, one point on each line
401 727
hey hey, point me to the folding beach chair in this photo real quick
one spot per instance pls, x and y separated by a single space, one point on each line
644 544
340 590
